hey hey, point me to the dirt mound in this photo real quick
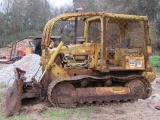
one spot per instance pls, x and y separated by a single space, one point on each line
34 109
20 45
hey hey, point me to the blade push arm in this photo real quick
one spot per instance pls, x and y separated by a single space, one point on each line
54 55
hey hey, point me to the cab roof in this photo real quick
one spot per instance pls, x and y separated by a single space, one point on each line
87 15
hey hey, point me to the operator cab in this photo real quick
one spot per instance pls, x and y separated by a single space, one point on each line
123 42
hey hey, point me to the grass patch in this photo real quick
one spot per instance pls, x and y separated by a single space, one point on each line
21 117
3 86
85 112
67 114
158 70
2 94
61 114
14 117
58 113
155 63
2 117
2 97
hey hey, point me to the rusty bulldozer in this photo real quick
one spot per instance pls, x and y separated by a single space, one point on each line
109 63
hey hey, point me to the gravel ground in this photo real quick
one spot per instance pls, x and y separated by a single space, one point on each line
29 63
3 65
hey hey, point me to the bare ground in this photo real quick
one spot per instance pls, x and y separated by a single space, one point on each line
40 109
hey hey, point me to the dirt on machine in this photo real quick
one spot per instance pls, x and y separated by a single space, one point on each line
108 61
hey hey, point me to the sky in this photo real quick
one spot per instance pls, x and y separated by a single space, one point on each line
59 3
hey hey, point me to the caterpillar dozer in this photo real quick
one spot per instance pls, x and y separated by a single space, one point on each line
108 62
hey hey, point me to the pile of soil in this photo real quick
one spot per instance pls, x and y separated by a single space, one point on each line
6 51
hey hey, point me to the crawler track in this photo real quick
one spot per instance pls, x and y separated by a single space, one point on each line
63 93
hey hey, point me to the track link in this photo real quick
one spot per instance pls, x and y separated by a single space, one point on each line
78 100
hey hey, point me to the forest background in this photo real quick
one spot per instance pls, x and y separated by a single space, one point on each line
22 18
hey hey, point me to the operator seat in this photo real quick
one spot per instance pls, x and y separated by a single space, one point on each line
125 43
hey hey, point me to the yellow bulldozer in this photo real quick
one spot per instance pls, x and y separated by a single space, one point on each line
108 63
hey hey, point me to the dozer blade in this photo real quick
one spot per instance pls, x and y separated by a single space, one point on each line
14 93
